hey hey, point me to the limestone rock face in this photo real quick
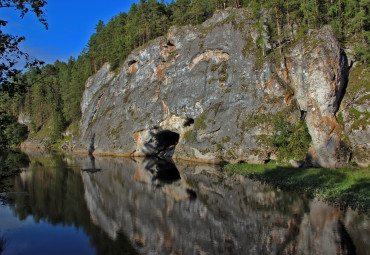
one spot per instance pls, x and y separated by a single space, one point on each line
204 89
354 116
317 70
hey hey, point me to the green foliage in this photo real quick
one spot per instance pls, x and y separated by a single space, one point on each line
291 140
361 119
12 57
347 187
225 139
189 136
10 164
256 120
340 119
200 122
11 132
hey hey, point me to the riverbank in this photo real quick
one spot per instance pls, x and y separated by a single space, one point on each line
345 187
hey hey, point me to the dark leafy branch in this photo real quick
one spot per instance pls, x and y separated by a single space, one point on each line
12 59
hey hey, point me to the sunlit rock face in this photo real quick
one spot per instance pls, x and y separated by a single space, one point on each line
318 73
205 84
185 208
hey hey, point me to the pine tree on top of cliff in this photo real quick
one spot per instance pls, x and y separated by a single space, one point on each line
181 12
197 9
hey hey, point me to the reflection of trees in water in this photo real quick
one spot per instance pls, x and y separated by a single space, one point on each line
10 165
56 195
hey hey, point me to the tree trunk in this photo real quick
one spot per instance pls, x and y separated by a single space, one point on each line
316 10
278 28
339 17
362 26
288 17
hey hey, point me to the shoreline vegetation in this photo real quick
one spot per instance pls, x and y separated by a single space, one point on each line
347 187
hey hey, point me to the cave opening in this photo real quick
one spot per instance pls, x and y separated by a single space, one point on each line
162 144
188 122
166 139
131 62
169 43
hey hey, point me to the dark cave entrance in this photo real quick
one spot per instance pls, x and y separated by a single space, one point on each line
166 140
162 143
188 122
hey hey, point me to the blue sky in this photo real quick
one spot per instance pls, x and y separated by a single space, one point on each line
71 23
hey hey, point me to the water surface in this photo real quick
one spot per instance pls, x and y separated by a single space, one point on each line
83 205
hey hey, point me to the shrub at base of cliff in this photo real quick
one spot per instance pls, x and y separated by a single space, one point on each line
12 133
291 140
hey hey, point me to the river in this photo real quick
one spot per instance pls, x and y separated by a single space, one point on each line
78 204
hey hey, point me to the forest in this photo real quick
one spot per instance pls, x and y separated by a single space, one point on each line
51 94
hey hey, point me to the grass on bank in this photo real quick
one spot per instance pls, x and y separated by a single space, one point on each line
345 187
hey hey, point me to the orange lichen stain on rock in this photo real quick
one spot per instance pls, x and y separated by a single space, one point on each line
136 137
288 66
167 50
332 85
329 122
336 61
160 70
288 98
263 85
270 84
133 67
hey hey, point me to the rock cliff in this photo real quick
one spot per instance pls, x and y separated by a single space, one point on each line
202 93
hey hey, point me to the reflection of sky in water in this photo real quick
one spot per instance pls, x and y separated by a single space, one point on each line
29 237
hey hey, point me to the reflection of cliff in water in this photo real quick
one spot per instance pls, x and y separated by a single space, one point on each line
231 215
